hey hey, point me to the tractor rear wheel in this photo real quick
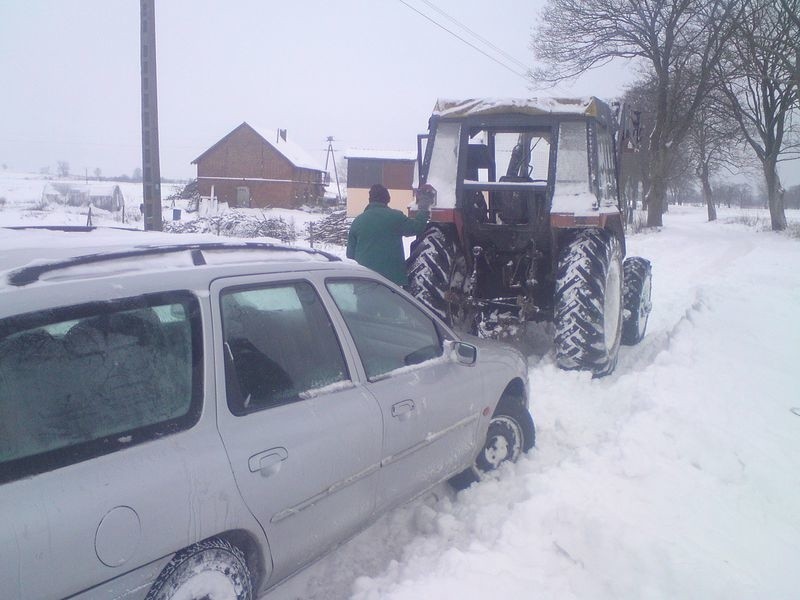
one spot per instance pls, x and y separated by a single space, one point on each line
588 303
437 274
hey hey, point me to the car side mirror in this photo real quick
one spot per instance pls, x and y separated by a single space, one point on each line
463 353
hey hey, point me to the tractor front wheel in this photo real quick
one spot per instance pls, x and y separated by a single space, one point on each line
637 276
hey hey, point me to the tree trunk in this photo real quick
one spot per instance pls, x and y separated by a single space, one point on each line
774 195
656 195
708 195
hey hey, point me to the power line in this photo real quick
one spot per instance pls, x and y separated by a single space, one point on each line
475 34
468 43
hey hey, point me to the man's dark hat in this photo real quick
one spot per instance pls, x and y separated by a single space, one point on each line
378 193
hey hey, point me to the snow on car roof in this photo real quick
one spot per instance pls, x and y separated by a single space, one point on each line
589 106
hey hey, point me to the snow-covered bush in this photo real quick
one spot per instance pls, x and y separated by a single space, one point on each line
235 224
332 229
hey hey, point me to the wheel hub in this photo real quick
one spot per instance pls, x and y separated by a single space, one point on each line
496 451
209 585
503 444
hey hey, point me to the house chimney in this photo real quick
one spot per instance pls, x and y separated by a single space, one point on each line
282 134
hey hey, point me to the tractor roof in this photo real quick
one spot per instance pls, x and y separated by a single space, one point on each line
589 106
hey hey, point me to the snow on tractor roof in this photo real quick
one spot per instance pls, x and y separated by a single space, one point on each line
589 106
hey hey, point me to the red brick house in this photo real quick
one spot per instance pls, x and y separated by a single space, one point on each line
248 170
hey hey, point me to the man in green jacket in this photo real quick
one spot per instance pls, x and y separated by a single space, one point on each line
376 235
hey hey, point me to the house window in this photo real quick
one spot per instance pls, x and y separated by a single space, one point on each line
243 197
363 173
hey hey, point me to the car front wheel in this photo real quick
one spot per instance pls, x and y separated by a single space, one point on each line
511 433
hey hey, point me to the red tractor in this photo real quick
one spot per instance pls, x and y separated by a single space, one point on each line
527 225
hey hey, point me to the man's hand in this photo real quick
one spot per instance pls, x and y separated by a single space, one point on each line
426 197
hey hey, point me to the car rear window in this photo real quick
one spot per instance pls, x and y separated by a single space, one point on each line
86 380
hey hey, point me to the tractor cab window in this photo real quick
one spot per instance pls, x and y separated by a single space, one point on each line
606 175
506 174
444 163
572 168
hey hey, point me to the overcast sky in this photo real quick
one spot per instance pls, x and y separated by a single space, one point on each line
367 72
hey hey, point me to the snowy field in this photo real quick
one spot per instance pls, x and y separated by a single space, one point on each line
676 477
21 201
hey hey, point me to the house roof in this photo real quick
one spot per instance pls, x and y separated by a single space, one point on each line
289 150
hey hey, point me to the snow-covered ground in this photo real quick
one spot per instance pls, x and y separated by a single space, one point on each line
676 477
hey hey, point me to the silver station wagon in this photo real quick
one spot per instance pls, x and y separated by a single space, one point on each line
202 420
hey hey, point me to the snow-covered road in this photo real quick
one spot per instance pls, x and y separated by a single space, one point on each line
676 477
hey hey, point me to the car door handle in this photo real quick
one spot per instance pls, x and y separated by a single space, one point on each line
402 410
268 462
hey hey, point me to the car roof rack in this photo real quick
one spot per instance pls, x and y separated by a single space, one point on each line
30 274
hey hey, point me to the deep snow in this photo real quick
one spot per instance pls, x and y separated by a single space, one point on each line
676 477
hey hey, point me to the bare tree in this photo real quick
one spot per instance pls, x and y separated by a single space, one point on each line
680 41
791 8
792 197
634 176
713 143
98 173
680 185
760 84
63 168
739 194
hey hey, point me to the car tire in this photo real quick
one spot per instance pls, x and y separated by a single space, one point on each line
511 433
210 570
437 274
588 303
637 277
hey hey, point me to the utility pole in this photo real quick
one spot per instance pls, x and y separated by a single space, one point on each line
151 179
330 154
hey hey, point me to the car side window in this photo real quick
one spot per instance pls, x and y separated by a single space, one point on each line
82 381
280 346
388 330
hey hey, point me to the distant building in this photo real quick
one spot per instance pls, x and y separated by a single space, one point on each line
391 168
249 170
100 195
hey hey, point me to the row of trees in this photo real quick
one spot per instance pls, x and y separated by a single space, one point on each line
716 76
63 170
